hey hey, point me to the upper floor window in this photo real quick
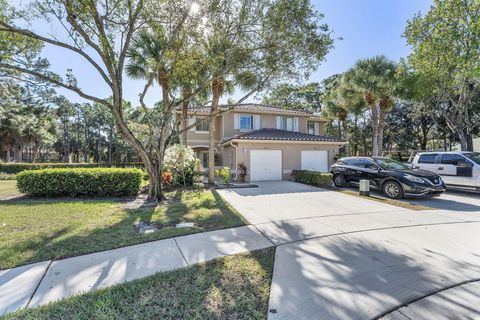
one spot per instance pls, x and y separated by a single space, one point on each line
246 122
311 127
287 123
202 125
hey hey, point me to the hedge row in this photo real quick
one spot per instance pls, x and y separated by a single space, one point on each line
80 181
14 168
318 179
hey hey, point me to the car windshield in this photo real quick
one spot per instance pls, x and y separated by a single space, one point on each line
389 164
474 156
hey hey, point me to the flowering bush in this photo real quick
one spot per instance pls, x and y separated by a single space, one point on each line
180 160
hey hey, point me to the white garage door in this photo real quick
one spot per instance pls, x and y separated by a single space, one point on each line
315 160
265 165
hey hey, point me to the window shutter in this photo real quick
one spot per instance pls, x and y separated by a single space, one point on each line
236 121
256 122
279 122
191 121
295 124
317 128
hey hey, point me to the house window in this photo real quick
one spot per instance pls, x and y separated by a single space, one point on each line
287 123
202 125
311 127
246 122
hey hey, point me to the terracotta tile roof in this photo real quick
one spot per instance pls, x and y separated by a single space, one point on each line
250 107
276 134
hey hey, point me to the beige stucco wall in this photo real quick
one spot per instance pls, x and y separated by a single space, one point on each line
291 154
266 121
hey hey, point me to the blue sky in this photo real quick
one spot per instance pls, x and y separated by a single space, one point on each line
368 27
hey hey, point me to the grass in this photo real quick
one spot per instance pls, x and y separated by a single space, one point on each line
37 230
397 203
235 287
8 188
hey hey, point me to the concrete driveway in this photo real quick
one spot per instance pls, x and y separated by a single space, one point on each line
345 257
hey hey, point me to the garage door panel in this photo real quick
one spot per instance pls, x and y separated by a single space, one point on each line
265 165
315 160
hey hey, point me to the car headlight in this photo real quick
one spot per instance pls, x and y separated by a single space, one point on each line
414 179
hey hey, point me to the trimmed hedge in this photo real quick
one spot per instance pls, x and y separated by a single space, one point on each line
80 182
14 168
318 179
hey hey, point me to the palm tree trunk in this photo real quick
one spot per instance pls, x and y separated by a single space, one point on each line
217 90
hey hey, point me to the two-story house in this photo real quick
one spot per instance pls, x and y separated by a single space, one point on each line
270 141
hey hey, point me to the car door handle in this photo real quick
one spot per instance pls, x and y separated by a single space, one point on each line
440 168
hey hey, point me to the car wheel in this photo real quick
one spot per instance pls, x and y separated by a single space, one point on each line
393 190
339 181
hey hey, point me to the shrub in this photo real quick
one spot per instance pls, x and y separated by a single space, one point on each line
181 161
318 179
224 173
242 171
81 181
14 168
167 177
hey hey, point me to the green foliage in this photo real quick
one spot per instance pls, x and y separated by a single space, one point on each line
14 168
291 96
224 173
80 181
181 161
318 179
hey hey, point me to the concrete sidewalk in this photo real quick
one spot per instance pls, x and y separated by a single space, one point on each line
39 283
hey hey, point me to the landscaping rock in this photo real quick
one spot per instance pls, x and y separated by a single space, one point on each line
145 228
185 225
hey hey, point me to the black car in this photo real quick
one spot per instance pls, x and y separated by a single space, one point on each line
393 178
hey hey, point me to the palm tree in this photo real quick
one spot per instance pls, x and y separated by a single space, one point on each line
374 79
338 102
146 60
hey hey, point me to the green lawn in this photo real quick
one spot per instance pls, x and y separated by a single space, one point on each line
235 287
36 230
8 188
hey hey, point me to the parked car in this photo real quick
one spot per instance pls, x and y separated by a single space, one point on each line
396 180
457 168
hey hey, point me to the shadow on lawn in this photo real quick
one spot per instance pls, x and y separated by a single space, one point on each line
232 288
77 238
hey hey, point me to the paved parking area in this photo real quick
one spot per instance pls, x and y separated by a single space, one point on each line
284 200
346 257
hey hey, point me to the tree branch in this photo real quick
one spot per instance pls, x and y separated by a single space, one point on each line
33 35
57 82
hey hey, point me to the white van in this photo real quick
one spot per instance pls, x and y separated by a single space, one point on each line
457 168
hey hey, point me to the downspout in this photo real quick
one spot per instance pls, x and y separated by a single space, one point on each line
236 158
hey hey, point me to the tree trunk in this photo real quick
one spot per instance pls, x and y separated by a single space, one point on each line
9 157
186 96
369 97
384 105
110 143
217 90
36 151
345 136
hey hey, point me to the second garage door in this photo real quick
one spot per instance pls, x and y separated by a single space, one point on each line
265 165
315 160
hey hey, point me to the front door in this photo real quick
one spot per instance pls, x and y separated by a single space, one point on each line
203 156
